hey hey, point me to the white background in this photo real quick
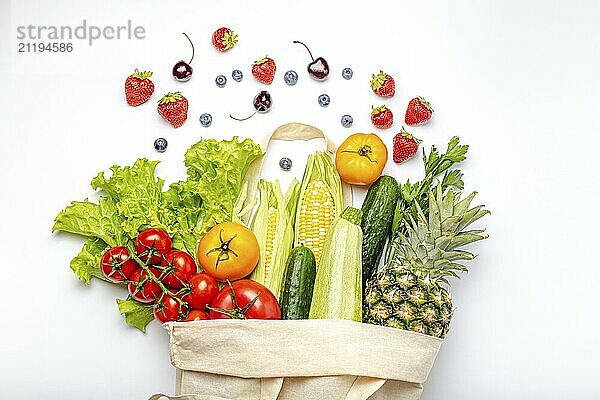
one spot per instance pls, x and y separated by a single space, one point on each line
517 80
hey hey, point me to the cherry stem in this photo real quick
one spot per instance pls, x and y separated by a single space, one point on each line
309 52
243 119
192 44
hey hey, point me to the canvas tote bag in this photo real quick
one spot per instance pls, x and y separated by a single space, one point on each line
297 360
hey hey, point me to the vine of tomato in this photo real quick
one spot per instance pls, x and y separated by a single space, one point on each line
153 242
177 269
142 288
117 265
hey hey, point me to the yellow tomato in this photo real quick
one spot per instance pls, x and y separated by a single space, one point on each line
229 251
361 158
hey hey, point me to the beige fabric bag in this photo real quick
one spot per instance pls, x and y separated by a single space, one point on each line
297 360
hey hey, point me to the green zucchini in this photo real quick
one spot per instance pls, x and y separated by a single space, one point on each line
298 286
338 292
378 213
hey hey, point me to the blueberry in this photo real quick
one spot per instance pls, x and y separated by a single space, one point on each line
347 121
160 145
221 81
291 77
285 164
324 100
206 120
237 75
347 73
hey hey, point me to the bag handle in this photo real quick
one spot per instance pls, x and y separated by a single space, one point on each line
298 131
364 387
291 131
269 390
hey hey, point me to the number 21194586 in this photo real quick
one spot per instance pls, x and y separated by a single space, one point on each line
45 47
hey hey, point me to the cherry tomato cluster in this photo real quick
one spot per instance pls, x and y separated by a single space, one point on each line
169 279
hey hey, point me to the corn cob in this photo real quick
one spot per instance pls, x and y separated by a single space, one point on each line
272 224
320 202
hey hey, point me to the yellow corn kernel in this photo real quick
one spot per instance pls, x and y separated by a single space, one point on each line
271 227
317 212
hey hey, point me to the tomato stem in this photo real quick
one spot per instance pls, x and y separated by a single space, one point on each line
364 151
224 249
236 312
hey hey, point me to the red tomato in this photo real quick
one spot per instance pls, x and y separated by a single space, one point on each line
142 288
169 309
178 268
116 264
203 289
245 299
153 242
197 315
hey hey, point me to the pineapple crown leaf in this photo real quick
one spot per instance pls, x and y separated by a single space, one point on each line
438 169
433 242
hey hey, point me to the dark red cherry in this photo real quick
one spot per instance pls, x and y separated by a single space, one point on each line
262 103
182 71
318 68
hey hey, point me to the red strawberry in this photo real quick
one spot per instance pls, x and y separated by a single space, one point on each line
138 87
224 39
382 117
418 112
264 70
405 146
383 85
173 107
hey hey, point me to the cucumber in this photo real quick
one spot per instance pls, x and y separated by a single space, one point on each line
297 290
378 213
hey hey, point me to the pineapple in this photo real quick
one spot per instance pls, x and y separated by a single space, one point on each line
411 292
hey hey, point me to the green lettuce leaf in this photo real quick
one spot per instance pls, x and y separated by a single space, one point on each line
186 205
137 193
89 219
216 170
87 263
135 313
